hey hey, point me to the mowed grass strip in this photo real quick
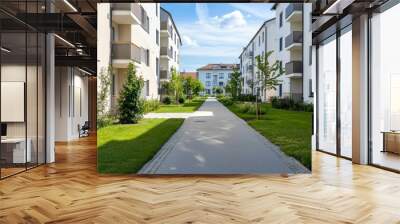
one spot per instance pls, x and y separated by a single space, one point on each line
126 148
187 107
290 130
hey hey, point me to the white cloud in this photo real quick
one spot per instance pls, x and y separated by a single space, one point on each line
202 12
262 11
230 20
189 41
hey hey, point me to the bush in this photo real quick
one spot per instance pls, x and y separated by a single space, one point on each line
252 110
181 100
227 101
105 120
166 100
247 98
289 104
151 105
244 108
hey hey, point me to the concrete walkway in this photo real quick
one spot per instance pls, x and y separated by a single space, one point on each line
219 144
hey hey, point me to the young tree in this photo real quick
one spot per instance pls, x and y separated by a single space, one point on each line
197 87
176 85
103 96
268 74
234 86
130 104
188 86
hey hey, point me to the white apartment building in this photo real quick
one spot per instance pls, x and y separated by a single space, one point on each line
170 45
294 50
129 33
215 75
262 42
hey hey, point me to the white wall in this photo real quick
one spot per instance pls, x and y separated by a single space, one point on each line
203 78
70 83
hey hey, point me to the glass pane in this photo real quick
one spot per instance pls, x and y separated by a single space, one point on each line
327 96
31 98
385 91
13 86
346 94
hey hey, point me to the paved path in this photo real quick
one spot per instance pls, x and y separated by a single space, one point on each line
219 144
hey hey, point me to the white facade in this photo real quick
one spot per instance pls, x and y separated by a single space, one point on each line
215 75
293 49
130 36
262 42
170 45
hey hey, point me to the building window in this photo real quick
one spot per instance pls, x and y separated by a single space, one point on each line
157 67
208 75
156 9
158 37
259 40
221 83
113 85
280 90
310 92
208 83
221 75
263 37
113 33
310 55
147 57
280 67
281 19
280 44
147 88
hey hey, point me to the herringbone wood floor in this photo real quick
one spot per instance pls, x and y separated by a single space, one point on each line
70 191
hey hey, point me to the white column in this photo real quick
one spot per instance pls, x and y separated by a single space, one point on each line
360 90
50 101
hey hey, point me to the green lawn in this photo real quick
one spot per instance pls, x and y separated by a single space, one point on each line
126 148
291 130
187 107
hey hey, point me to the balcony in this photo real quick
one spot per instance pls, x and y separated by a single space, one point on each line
166 28
294 12
294 69
124 53
165 75
294 40
166 52
126 13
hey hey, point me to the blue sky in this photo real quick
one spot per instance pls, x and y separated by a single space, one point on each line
216 32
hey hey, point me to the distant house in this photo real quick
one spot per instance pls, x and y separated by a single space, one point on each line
189 74
215 75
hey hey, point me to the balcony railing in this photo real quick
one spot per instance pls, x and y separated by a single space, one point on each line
167 27
296 37
127 51
134 8
164 74
293 7
294 67
165 51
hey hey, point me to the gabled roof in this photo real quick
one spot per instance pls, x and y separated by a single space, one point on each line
219 67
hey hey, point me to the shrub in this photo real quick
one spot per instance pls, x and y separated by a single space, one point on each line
151 105
289 104
181 100
247 98
244 108
130 104
227 101
105 120
252 110
166 100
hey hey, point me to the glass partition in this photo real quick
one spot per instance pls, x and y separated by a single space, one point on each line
385 89
346 92
327 95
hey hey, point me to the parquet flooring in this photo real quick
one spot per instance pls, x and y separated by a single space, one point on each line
70 191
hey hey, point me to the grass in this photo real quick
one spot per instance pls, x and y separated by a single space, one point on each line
126 148
187 107
290 130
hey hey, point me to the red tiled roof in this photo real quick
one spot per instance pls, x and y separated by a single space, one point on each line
187 74
219 67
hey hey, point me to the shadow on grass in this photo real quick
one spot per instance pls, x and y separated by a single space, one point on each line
126 148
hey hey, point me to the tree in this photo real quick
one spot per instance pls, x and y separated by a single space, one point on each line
218 90
176 85
198 87
234 86
130 104
103 97
188 86
268 74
